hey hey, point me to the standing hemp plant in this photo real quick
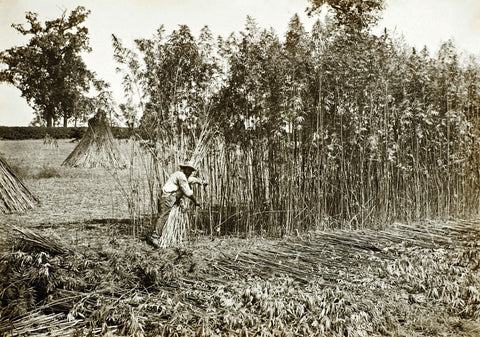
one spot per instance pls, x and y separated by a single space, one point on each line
167 79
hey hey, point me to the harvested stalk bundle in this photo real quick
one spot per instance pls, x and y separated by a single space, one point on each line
40 325
97 147
35 241
50 142
176 227
14 195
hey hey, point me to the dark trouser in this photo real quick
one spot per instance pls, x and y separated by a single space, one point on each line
166 203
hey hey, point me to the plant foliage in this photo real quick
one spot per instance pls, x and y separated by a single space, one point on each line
328 127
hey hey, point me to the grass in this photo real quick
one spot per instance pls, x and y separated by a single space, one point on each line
67 195
404 280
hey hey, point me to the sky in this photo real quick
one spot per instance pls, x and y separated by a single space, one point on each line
421 22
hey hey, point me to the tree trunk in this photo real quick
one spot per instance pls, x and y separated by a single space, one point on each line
49 114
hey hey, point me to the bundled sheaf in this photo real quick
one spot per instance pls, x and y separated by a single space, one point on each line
97 147
36 242
14 195
176 228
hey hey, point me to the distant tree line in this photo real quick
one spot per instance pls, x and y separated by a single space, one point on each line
39 132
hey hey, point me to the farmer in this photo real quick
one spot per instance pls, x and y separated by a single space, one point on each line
174 193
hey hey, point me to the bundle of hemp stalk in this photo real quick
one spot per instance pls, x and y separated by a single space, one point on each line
14 194
176 227
98 147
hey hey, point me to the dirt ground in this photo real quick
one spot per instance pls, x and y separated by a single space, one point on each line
72 267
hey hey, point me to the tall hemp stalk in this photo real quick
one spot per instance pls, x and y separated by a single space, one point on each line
357 132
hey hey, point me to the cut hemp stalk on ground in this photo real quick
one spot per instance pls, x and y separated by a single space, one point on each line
407 280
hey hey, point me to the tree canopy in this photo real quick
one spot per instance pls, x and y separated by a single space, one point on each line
353 14
49 70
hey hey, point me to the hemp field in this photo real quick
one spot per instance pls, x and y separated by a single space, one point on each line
71 267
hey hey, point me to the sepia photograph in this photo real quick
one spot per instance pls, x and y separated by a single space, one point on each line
239 168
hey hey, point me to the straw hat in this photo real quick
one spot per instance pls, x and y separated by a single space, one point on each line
188 165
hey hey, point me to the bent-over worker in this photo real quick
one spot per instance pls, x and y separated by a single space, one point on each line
174 193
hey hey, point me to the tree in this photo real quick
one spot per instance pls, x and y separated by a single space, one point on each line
49 70
354 14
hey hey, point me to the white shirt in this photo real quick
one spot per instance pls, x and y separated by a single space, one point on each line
178 183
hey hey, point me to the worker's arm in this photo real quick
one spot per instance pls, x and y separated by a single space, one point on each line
187 191
195 180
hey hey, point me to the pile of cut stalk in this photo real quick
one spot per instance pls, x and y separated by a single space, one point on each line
415 280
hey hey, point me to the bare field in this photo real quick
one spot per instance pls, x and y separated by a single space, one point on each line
72 268
71 194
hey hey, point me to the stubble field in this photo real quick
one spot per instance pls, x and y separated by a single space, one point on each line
72 267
